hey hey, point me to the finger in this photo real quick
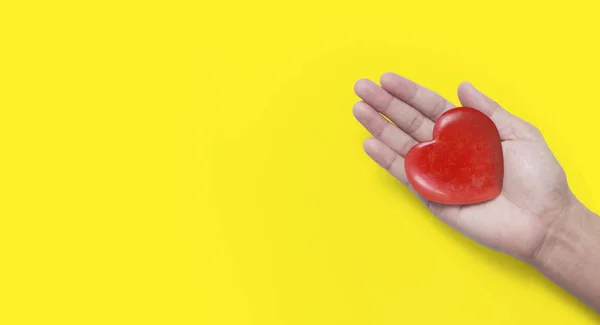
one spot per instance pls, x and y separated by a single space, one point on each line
429 103
391 162
383 130
405 117
386 158
509 126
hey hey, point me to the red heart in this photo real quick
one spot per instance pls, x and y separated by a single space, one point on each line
463 163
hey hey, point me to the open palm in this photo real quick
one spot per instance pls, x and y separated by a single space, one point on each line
535 190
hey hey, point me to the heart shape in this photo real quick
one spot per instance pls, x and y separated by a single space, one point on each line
463 164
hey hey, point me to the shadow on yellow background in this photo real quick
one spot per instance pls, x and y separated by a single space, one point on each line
193 162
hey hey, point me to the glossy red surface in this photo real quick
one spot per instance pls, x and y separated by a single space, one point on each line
463 163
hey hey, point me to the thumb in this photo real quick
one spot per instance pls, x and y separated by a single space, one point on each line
509 126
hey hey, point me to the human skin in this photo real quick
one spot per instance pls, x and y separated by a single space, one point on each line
536 218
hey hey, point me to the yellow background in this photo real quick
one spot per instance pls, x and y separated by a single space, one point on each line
197 162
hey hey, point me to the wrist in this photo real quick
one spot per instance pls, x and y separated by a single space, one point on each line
570 253
560 250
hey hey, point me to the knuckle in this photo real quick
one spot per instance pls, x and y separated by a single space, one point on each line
532 131
377 130
439 107
390 163
415 123
496 108
407 146
535 131
387 106
414 93
508 132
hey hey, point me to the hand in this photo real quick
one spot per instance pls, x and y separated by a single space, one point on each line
535 192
